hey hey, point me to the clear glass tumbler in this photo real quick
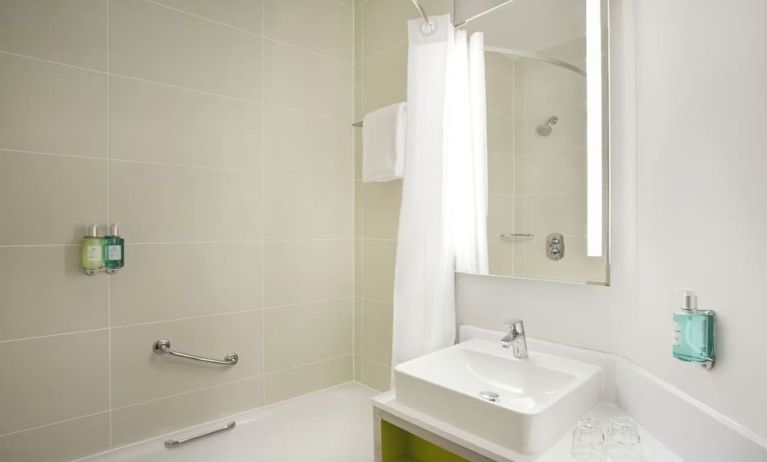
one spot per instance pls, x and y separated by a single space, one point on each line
623 441
588 441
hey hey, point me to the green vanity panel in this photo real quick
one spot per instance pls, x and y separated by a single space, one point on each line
397 445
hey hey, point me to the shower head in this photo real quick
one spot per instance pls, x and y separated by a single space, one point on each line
545 128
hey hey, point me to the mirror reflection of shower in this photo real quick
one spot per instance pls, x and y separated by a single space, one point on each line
547 162
546 127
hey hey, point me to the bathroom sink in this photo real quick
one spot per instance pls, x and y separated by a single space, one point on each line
478 386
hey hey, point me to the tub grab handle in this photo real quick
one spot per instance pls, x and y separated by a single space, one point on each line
162 347
170 444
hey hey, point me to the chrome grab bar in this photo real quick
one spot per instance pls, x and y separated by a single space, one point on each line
162 347
170 444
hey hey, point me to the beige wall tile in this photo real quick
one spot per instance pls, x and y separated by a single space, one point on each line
68 302
575 266
377 331
147 420
52 108
499 93
244 14
321 26
569 133
165 124
359 23
59 442
557 172
358 266
519 134
53 378
295 335
501 215
290 383
554 88
357 330
385 79
503 255
385 21
500 64
163 45
359 209
358 368
375 375
324 147
358 152
173 203
556 213
501 172
308 208
379 270
68 32
136 369
172 281
306 271
384 24
500 135
299 79
381 214
61 197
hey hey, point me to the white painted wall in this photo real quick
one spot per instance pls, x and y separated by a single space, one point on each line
689 163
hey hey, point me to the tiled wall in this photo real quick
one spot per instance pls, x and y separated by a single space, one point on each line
380 80
217 135
538 183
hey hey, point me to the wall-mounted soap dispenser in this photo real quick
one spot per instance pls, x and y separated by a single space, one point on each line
92 251
114 250
694 332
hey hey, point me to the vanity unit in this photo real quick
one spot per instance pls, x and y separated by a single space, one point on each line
478 401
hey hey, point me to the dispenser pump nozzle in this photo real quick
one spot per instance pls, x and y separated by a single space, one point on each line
690 299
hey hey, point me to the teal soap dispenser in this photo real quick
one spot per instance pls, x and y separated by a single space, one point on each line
694 332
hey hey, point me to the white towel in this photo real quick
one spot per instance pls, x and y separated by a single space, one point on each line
383 148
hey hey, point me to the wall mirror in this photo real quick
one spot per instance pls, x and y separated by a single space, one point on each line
548 136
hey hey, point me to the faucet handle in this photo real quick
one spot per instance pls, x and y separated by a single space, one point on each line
515 325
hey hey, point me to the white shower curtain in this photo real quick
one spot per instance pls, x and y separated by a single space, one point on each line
443 215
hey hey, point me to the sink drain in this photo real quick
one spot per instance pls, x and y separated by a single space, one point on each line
489 395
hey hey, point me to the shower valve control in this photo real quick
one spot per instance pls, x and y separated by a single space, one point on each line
555 246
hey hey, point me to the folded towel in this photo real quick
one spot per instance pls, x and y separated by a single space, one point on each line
383 148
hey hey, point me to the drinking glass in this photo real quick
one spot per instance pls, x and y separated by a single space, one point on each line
588 441
623 441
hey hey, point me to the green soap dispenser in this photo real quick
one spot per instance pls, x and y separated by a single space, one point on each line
92 251
114 250
694 332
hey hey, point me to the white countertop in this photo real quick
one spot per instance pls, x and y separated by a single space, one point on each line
652 449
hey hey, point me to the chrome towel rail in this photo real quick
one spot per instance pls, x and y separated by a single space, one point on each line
170 444
162 347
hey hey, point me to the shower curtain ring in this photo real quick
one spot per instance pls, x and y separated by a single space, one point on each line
428 27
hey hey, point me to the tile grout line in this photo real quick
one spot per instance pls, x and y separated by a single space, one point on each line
262 35
363 258
160 321
354 193
263 207
243 171
183 393
58 422
109 218
59 334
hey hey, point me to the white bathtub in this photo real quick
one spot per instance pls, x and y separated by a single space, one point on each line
333 425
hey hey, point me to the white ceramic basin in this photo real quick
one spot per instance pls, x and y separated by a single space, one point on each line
539 397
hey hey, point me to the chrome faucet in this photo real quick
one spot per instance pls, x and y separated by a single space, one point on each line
516 339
